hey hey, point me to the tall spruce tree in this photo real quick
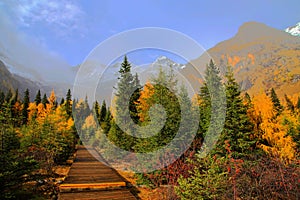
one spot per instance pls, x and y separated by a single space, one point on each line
238 127
62 101
134 100
68 104
212 105
276 102
38 98
103 112
97 111
122 130
290 105
26 102
45 100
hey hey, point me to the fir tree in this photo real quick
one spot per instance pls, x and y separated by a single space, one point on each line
134 100
290 105
62 101
69 103
45 100
26 102
276 102
122 128
238 128
38 98
102 114
212 105
97 111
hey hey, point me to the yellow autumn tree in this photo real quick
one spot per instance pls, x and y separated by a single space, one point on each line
272 130
144 105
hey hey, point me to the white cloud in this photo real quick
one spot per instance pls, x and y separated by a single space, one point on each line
29 56
62 16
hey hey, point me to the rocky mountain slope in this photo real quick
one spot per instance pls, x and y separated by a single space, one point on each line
11 81
262 57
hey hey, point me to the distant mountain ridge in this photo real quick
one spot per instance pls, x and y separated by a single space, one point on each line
11 81
262 57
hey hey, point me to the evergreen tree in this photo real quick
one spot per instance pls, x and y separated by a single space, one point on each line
163 93
238 128
26 102
122 128
106 125
97 111
290 105
212 105
276 102
103 112
134 100
62 101
45 100
298 103
69 103
38 98
247 98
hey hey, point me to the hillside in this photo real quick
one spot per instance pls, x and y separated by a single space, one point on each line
11 81
262 57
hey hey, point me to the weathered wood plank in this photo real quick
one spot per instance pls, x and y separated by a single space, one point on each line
89 178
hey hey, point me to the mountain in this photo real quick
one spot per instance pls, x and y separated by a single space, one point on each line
294 30
166 62
262 57
11 81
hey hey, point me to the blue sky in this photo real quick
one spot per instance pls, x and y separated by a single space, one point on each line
69 29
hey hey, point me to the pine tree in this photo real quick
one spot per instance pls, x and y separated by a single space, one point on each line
298 103
134 100
103 111
45 100
122 128
62 101
276 102
212 105
97 111
290 105
238 128
162 92
38 98
69 103
26 102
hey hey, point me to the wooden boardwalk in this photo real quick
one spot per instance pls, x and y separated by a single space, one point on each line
89 178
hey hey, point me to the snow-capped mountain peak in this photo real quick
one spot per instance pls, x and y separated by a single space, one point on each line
294 30
166 62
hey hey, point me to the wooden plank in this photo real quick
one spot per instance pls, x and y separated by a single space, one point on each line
93 195
89 178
